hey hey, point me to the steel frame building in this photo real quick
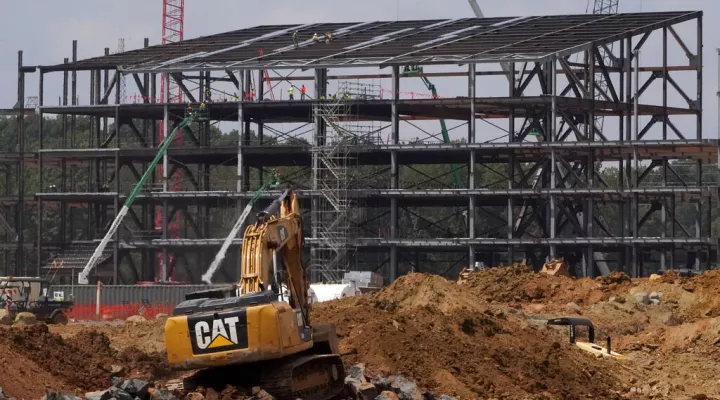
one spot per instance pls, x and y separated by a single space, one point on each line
552 196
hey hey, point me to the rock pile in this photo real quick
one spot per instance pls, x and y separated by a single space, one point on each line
394 387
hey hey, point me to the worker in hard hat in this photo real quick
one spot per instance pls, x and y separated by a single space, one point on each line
328 37
295 38
291 92
303 89
234 97
315 37
203 106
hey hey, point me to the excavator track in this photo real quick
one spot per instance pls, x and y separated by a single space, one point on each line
309 377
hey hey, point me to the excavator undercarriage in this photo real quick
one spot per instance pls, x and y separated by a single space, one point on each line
308 376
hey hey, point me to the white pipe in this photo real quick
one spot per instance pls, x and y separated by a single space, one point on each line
97 299
83 275
207 276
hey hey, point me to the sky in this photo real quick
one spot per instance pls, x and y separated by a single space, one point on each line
45 30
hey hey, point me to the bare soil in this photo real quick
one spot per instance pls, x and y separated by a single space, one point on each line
80 363
485 339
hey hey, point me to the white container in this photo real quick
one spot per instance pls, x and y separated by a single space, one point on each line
326 292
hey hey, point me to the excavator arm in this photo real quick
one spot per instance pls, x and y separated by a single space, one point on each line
272 247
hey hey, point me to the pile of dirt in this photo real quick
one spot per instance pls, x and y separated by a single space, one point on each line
83 362
518 284
148 337
24 378
438 333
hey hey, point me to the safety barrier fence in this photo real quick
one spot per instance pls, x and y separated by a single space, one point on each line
121 301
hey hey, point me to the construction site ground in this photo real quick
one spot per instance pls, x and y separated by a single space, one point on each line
484 339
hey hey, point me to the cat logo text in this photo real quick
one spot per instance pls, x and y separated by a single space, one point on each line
218 332
222 333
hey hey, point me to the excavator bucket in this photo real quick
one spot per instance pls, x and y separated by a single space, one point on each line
556 267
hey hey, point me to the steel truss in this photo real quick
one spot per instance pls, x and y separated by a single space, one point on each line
524 199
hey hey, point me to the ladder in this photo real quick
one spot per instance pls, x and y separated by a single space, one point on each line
267 78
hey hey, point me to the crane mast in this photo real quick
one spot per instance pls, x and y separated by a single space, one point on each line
173 27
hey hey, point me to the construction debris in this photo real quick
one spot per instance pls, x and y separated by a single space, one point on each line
424 337
556 267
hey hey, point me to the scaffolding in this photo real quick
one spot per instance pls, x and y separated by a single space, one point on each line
334 170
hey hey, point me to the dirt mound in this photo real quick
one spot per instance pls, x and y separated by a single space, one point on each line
613 277
438 333
518 284
83 361
24 378
148 337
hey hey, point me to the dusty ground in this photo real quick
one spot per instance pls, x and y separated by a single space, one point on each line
484 339
37 360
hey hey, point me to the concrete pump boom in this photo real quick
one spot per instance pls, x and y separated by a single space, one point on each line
83 275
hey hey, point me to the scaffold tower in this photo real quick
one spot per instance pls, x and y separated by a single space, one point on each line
333 176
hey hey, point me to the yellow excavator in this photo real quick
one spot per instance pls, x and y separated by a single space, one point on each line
255 333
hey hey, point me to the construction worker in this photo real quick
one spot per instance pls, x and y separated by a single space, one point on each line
295 39
328 37
234 97
203 106
302 92
208 95
315 37
251 95
291 91
347 96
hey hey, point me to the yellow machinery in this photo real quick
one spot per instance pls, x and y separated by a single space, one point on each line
588 346
556 267
252 334
465 273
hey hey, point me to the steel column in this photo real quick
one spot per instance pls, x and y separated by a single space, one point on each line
394 170
472 76
472 138
698 108
40 218
165 178
553 160
663 210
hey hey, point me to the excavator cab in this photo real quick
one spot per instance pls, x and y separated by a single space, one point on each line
555 267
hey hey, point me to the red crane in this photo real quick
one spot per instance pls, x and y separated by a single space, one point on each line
172 31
